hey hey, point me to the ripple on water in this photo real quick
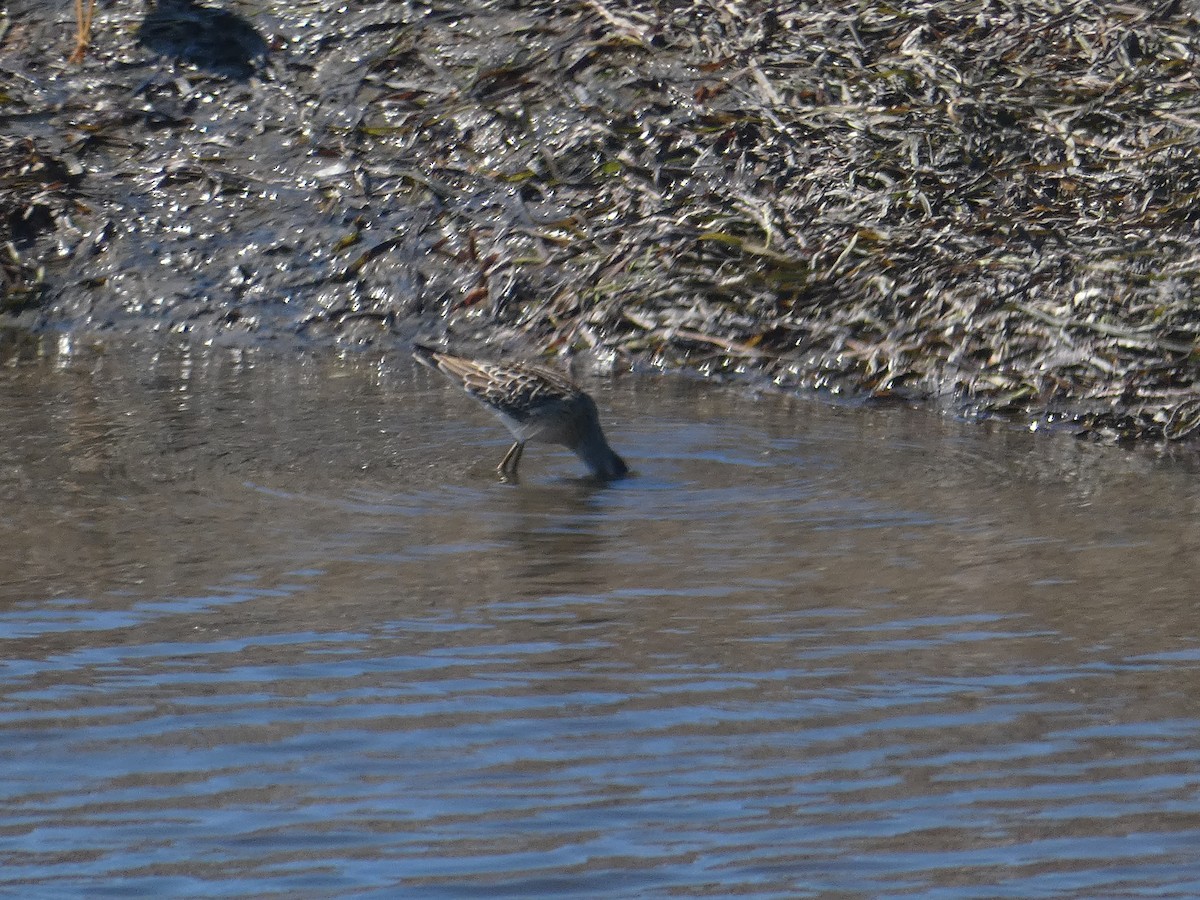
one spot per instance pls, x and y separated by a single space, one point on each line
804 653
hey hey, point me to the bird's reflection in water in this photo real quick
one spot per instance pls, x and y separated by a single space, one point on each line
560 532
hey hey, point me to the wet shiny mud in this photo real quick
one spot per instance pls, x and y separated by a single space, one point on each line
274 626
895 199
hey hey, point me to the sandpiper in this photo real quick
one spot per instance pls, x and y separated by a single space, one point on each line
536 403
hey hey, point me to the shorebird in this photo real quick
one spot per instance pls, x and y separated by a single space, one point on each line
536 403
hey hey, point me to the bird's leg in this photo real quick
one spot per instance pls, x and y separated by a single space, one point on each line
512 459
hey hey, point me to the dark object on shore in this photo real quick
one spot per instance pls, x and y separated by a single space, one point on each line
536 403
212 39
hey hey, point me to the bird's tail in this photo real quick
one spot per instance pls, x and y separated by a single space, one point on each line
425 355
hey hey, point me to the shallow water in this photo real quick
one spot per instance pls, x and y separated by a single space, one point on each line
273 627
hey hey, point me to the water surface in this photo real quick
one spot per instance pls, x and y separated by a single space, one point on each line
271 626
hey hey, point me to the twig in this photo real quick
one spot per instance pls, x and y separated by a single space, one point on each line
83 29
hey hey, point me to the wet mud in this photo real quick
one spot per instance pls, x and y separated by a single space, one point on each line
987 205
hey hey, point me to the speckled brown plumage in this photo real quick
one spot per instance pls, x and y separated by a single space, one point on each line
536 403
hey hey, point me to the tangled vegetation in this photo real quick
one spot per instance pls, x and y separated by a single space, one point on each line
991 204
34 198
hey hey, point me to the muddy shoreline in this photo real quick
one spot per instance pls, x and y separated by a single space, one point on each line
976 204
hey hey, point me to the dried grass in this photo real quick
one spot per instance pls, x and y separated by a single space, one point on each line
992 204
